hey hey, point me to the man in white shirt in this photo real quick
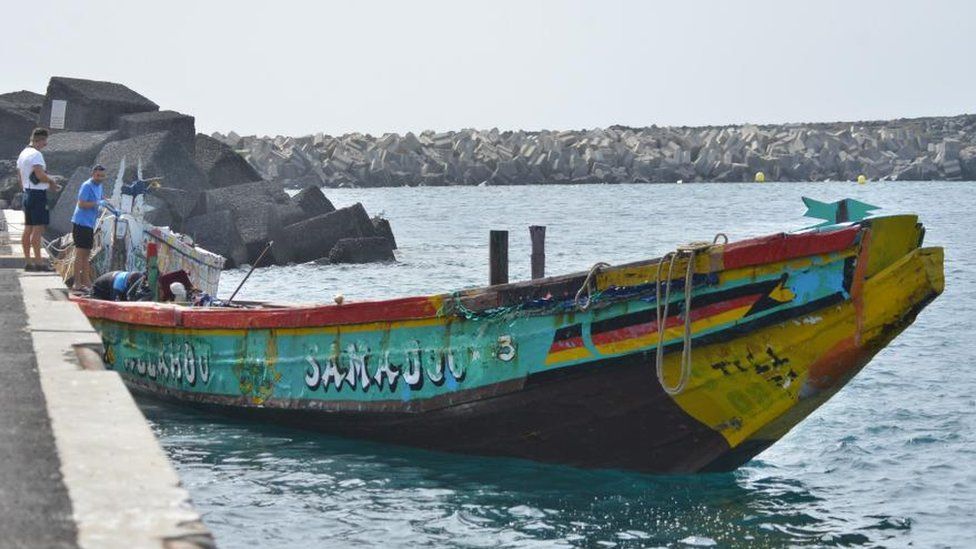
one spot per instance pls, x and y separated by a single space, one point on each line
35 181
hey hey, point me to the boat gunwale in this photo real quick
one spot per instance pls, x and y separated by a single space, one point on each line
760 250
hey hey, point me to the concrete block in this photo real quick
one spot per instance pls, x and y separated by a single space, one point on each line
361 250
952 170
67 151
967 163
313 201
252 207
221 165
217 233
314 238
161 155
92 105
26 100
381 227
180 203
64 208
181 126
9 180
16 124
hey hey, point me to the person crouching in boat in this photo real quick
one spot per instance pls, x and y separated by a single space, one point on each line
121 286
177 287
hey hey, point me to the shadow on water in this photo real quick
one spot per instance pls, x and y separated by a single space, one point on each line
304 486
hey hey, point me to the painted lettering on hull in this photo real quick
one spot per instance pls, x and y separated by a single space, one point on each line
357 368
176 363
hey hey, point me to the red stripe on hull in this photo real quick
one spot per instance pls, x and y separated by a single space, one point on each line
643 329
782 247
150 314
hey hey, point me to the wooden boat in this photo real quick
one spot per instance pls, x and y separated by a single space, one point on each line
613 368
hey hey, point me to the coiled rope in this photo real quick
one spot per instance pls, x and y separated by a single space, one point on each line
689 251
586 286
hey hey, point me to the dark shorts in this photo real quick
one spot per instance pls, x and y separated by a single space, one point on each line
35 207
83 236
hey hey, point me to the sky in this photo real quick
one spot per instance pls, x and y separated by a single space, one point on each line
294 68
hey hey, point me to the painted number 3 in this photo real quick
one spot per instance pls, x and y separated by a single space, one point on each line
506 349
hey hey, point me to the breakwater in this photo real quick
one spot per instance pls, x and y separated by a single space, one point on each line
920 149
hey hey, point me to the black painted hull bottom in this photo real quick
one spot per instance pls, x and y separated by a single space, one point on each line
614 416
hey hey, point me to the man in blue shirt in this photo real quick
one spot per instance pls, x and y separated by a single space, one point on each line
83 226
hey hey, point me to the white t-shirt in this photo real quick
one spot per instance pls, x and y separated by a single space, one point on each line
29 158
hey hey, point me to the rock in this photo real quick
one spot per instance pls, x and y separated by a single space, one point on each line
252 208
68 151
17 202
967 163
314 238
9 179
382 228
26 100
161 155
222 166
287 214
362 250
16 125
181 126
178 203
313 201
92 105
217 233
64 208
240 196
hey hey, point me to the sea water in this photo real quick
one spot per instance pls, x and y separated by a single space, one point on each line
889 461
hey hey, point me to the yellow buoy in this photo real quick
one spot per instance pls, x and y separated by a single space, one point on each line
861 179
760 177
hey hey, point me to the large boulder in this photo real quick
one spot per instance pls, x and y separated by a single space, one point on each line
26 100
217 233
381 226
252 208
362 250
92 105
181 126
67 151
64 207
241 196
180 202
287 214
9 180
173 205
160 154
313 201
314 238
967 162
221 164
16 124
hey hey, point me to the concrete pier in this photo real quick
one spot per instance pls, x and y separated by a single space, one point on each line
79 465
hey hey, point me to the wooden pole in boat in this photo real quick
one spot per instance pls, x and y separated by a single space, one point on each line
538 235
498 257
255 266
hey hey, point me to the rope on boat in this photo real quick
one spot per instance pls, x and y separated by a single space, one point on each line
586 286
689 251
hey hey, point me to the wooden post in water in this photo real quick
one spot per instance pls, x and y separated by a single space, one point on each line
498 257
538 235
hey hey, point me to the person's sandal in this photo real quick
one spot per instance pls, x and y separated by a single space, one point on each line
29 267
44 268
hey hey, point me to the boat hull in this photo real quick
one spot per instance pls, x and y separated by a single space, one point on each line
775 331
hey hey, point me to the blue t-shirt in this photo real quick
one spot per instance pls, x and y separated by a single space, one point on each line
89 192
